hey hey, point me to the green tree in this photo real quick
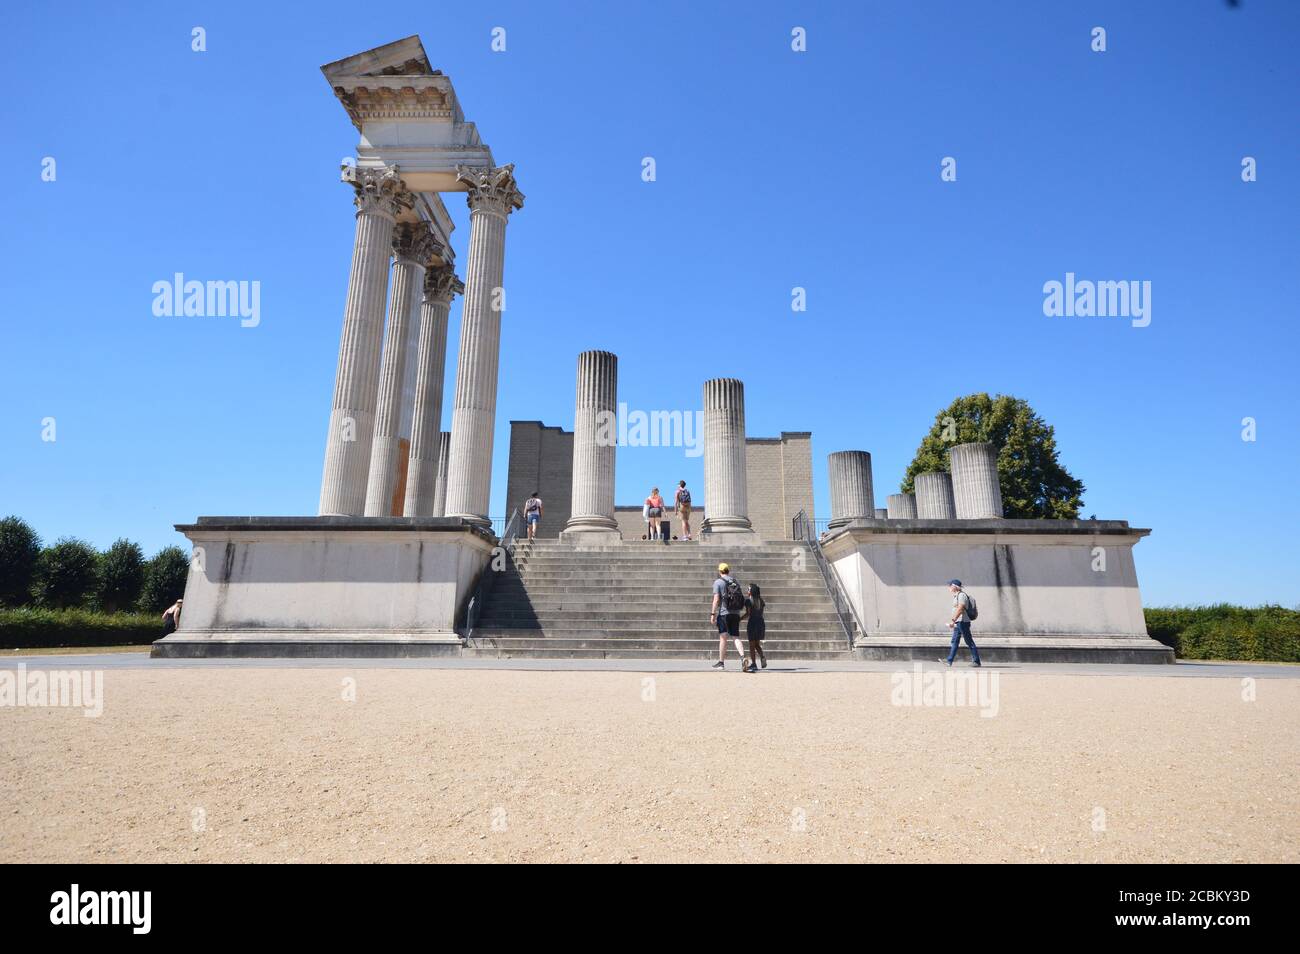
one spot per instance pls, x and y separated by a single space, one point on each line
66 573
121 576
20 550
164 579
1033 482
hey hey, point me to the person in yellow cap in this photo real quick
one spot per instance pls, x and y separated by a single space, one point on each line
728 604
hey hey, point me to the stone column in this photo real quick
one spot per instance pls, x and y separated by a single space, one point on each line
380 196
427 461
934 497
901 506
882 513
595 432
492 196
440 489
975 490
851 493
726 497
412 247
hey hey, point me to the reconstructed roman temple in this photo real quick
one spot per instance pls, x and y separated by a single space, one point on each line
402 559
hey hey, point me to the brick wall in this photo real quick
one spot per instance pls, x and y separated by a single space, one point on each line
779 481
541 459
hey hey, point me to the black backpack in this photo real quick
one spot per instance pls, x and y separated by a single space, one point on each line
733 598
684 496
972 610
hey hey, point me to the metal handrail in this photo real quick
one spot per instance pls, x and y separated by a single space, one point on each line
486 578
805 528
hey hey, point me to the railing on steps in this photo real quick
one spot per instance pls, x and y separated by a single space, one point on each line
506 544
805 529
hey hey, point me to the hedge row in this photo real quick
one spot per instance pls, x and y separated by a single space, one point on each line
31 628
1223 631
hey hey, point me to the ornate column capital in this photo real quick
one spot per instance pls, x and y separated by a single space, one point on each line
378 190
441 284
414 242
491 188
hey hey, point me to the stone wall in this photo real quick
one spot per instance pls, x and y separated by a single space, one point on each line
779 478
541 459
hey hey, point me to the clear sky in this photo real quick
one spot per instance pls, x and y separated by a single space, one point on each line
775 169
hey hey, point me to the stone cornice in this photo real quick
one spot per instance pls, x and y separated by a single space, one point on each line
378 190
491 189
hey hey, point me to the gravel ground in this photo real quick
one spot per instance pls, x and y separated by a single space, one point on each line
435 765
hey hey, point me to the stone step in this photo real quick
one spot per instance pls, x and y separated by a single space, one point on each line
584 630
524 611
510 650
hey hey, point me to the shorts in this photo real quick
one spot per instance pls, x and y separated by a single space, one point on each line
729 625
656 512
534 517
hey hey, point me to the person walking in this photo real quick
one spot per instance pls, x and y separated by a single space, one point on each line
963 611
755 627
533 514
682 504
728 603
654 509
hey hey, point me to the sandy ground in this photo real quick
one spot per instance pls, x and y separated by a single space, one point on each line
276 765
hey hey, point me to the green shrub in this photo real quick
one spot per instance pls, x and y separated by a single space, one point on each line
1222 631
121 576
66 573
164 579
20 551
33 627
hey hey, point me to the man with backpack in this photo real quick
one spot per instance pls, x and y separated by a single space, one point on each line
728 604
963 611
683 507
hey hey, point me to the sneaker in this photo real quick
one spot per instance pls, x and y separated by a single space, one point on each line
975 664
718 665
946 662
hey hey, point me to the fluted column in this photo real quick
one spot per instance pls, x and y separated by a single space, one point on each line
492 196
726 496
975 490
412 246
594 436
440 489
380 196
427 461
901 506
934 496
852 495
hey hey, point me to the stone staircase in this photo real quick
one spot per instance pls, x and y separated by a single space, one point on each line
647 600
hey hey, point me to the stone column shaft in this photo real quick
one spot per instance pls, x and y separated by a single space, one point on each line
934 497
595 432
852 495
901 506
492 197
440 489
975 489
412 246
380 195
726 495
427 462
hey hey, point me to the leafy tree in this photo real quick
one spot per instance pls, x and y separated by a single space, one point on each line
20 550
66 573
121 576
1033 482
164 579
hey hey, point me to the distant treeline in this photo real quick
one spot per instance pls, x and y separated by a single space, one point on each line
1223 631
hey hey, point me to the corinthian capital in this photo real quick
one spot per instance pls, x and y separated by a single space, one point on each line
378 190
413 241
491 188
441 284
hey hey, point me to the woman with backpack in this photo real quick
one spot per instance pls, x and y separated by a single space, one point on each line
755 627
654 509
682 504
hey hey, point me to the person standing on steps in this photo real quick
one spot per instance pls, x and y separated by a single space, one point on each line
728 604
755 627
654 509
963 611
533 514
682 504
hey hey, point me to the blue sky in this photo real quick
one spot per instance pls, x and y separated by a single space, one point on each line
775 169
